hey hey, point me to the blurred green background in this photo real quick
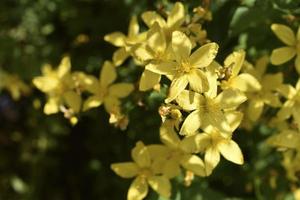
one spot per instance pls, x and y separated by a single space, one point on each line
44 157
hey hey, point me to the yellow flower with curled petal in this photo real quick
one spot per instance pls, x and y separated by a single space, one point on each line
208 110
59 87
268 94
188 67
144 174
283 54
174 20
214 142
175 153
231 77
291 106
105 92
125 43
152 52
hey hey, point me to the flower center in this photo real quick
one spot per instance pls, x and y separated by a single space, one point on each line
185 66
145 172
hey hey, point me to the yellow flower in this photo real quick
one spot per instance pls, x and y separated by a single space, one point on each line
208 110
144 174
125 43
232 79
175 153
59 87
268 94
174 20
283 54
188 68
14 85
154 51
287 138
291 107
215 142
105 92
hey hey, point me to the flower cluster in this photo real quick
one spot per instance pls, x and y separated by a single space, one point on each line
65 90
206 102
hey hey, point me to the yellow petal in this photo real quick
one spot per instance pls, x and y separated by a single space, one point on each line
46 83
189 100
156 39
181 46
158 151
171 168
142 54
245 82
119 56
212 79
161 185
112 104
296 114
211 158
286 110
204 55
287 91
86 82
194 164
150 17
272 99
126 169
148 80
178 84
120 90
52 106
298 85
91 102
284 33
64 67
255 109
140 155
234 119
108 74
163 68
285 139
191 124
203 141
230 98
282 55
176 17
261 65
198 81
168 136
116 38
235 60
189 144
133 28
297 63
216 119
73 100
272 81
231 151
138 189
